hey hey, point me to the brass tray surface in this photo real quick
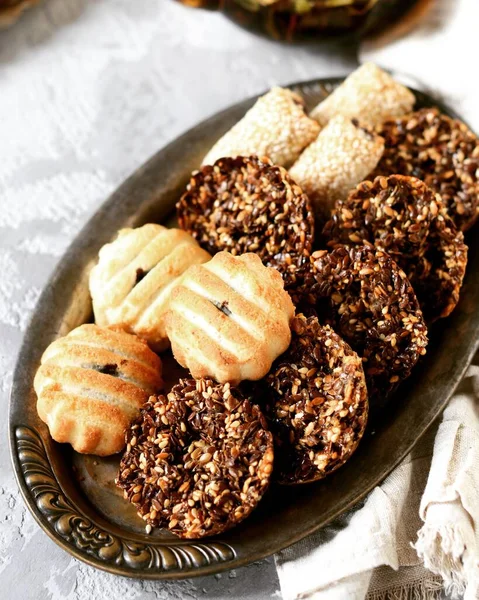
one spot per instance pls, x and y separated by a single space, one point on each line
73 497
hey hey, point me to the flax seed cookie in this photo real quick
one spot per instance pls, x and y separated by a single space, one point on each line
229 318
245 204
276 127
132 282
368 300
316 403
404 217
441 151
197 461
91 384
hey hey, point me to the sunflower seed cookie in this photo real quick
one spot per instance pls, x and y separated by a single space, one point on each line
316 403
441 151
246 204
197 461
404 217
368 300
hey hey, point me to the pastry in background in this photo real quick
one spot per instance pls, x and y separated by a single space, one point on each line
198 461
441 151
90 386
404 217
132 282
315 401
369 94
229 318
246 204
368 300
342 155
276 126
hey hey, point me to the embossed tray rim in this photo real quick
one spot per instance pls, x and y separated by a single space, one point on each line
123 199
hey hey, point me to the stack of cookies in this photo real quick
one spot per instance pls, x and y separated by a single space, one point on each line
296 301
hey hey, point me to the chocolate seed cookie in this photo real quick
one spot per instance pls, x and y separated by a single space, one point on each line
197 461
404 217
316 403
441 151
369 301
245 204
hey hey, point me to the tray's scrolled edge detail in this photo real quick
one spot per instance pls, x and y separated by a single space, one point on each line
86 538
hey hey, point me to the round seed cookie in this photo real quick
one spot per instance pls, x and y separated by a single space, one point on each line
90 386
316 403
245 204
197 461
404 217
368 300
441 151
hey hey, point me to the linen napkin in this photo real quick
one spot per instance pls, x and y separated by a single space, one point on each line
418 533
430 500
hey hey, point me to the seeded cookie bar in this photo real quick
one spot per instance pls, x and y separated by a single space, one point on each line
368 300
341 156
245 204
368 94
315 402
404 217
276 126
198 461
441 151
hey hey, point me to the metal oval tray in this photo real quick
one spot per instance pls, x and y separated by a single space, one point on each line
73 497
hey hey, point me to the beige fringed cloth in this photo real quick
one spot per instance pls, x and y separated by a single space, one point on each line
417 535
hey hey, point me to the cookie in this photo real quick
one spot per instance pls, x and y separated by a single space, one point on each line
132 282
276 126
90 386
229 318
368 94
404 217
441 151
198 461
246 204
342 156
316 403
368 300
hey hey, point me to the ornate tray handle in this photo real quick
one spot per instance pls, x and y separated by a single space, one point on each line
75 529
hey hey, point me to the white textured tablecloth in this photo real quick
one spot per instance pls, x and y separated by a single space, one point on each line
89 89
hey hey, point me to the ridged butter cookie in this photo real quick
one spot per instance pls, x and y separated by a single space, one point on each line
229 318
132 282
91 385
